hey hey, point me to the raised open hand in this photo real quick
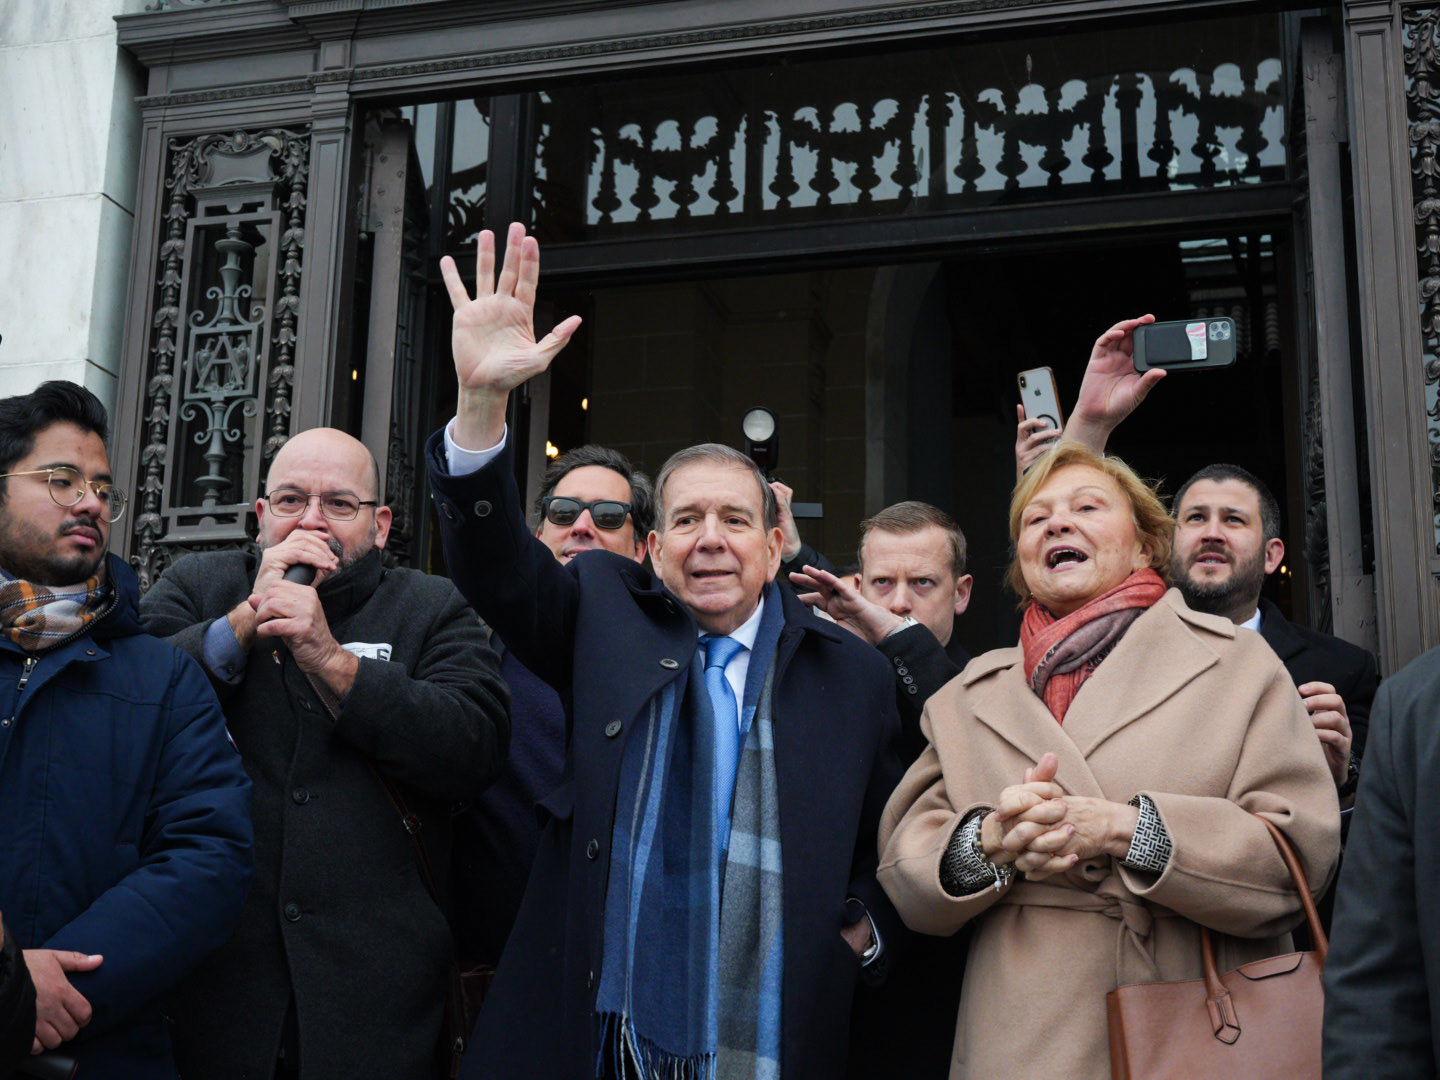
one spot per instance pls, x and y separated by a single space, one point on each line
492 337
1112 388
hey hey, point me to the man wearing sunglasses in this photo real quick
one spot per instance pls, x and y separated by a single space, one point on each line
594 499
124 810
362 701
717 731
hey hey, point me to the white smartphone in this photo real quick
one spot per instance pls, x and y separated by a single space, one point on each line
1040 397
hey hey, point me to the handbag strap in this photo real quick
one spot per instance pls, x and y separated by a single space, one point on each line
1307 901
1223 1020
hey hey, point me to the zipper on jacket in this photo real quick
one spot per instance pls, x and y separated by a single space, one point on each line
87 628
31 661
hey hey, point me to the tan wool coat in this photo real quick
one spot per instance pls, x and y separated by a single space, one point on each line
1187 709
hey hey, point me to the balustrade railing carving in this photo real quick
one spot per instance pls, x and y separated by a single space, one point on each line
805 143
1422 59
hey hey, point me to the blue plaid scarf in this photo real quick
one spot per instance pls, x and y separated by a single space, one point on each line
691 976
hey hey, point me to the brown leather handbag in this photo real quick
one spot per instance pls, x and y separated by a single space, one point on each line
1261 1021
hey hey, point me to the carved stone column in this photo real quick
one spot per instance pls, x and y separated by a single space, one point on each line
1394 361
1333 540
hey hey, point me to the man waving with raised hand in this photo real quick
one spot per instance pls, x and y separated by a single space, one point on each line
719 733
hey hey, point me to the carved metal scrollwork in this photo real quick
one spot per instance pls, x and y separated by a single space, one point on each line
1422 57
808 142
222 354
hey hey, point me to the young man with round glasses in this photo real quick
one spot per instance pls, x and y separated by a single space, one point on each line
368 690
123 807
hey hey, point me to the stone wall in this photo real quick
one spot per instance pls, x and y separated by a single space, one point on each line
69 133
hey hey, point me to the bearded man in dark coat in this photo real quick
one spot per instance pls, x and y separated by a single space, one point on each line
363 701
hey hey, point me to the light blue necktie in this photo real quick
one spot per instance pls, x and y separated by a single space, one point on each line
719 651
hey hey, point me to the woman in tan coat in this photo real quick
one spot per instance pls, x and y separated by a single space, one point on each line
1089 796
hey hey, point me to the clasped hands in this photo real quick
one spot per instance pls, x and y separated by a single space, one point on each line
1042 831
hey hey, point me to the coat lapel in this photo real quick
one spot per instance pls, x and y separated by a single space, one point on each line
1158 656
643 663
1006 704
1278 632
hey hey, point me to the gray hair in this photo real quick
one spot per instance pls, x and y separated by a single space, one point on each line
719 454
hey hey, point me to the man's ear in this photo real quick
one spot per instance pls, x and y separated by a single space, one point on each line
383 520
655 543
1274 554
777 548
963 585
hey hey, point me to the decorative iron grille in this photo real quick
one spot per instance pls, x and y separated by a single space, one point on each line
222 353
1422 56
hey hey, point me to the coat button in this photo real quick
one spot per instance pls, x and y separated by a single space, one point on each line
592 849
7 721
902 671
482 508
669 664
899 660
613 728
89 652
292 912
908 681
300 795
912 689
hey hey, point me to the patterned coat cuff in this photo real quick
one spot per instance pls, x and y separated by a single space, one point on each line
963 870
1150 847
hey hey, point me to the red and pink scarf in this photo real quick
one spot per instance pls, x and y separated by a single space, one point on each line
1060 654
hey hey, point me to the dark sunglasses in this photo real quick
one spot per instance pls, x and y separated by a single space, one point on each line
563 511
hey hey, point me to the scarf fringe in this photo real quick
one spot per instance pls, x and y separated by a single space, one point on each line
628 1050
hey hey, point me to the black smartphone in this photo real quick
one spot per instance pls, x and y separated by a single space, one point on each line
1185 345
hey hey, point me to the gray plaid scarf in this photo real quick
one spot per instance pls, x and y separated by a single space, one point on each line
752 946
37 617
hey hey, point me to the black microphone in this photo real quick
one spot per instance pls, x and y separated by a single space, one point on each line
304 573
301 573
51 1065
